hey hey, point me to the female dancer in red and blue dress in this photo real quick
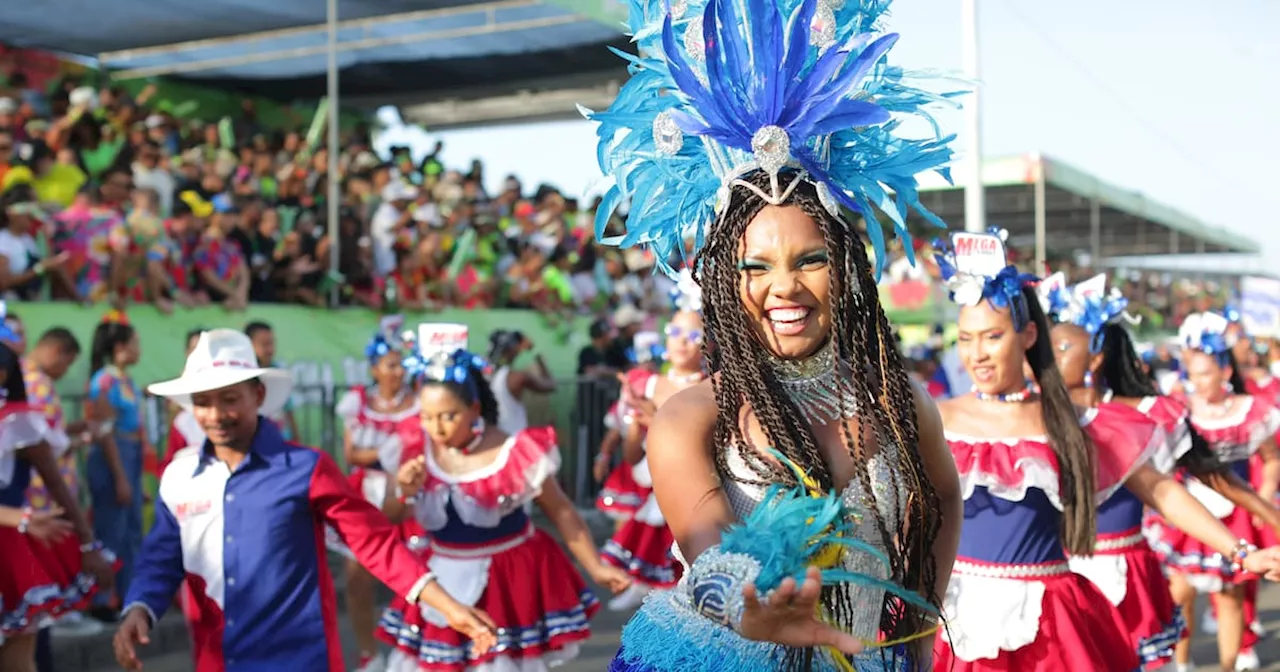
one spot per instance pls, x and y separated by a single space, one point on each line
642 546
471 488
1032 470
1099 366
372 416
50 564
1235 426
620 495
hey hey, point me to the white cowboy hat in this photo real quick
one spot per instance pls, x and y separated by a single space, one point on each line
222 358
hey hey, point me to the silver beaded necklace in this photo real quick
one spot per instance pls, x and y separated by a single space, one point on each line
816 385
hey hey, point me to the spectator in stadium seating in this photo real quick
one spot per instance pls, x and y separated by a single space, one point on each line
219 264
22 266
264 347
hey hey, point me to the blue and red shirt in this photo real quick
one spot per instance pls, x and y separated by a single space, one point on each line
249 544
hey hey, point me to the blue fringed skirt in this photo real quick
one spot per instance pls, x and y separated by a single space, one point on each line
666 635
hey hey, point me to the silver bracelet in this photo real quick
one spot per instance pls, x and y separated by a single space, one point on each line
716 580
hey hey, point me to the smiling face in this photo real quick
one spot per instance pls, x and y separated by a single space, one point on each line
993 354
684 341
1071 351
785 283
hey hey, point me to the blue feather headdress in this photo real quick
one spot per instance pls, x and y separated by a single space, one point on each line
1090 306
796 88
1206 332
975 269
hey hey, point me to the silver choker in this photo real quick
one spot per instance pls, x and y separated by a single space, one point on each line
816 385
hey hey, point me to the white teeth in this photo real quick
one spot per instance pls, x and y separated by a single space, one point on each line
788 314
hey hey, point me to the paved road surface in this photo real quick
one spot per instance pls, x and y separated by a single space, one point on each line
607 625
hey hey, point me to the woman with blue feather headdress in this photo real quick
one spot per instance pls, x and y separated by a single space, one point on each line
1100 367
806 483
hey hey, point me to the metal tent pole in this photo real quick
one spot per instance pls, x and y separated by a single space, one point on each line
975 207
333 144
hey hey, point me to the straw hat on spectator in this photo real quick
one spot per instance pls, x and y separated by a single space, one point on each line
627 315
222 358
398 191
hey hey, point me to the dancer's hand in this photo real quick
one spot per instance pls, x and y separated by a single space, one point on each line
95 564
1265 562
136 629
790 617
411 475
611 577
49 526
475 625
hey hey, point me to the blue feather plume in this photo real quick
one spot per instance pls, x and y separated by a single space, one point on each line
722 70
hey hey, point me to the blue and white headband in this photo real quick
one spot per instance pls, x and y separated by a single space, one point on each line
6 332
975 268
798 89
387 339
1206 332
442 356
1090 306
646 347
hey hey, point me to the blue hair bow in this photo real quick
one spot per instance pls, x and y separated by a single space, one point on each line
454 368
1095 313
1005 291
653 353
379 346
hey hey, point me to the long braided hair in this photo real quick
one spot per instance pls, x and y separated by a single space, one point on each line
864 346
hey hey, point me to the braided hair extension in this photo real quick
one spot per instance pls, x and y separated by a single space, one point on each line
1070 444
1123 374
865 350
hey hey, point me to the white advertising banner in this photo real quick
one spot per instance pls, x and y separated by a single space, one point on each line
1260 305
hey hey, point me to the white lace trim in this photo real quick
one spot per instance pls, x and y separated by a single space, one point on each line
1035 474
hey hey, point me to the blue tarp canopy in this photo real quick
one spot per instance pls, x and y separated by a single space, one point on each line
401 49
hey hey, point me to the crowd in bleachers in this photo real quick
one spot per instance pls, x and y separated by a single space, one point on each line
106 198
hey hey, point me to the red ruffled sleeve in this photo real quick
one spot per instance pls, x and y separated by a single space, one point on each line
1171 415
1125 440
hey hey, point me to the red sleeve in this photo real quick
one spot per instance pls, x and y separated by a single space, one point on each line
172 444
413 441
363 528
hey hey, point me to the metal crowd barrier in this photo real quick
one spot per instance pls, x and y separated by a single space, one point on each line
577 408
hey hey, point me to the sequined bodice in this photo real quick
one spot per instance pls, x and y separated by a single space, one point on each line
889 497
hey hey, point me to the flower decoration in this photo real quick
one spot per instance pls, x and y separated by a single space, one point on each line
799 89
115 317
386 340
1092 307
686 295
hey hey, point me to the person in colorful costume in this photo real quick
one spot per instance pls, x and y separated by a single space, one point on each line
1236 426
806 484
1099 366
51 563
620 495
1034 470
471 487
642 545
240 520
372 418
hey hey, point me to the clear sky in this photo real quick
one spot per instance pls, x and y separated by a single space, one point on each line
1179 99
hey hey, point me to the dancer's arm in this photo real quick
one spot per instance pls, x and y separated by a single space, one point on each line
159 570
1236 491
1180 509
577 537
1270 469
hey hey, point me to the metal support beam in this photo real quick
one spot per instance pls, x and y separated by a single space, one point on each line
234 40
521 106
975 206
1041 216
331 203
1095 231
488 28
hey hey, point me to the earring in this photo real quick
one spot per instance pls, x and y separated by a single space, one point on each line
478 427
1088 379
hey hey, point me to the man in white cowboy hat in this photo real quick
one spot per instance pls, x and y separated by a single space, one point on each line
241 519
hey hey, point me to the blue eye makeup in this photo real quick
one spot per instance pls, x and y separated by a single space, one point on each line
675 331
